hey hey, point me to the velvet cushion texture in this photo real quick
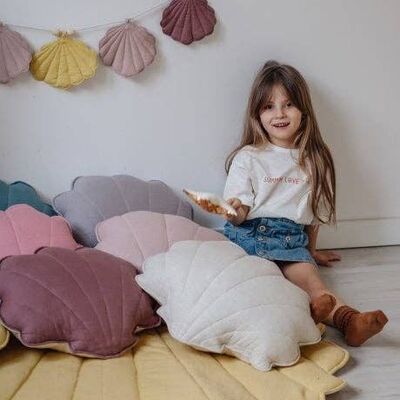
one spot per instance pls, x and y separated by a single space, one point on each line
22 193
85 302
93 199
216 298
138 235
24 230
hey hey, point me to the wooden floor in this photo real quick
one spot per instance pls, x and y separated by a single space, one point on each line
369 279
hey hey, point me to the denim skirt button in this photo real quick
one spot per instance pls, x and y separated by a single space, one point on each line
262 228
287 238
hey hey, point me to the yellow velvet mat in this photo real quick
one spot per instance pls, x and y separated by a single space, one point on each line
160 368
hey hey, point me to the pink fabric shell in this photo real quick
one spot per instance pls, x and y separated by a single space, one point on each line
15 54
23 230
128 48
138 235
84 302
188 20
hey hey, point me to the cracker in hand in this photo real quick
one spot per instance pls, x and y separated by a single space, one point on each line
210 202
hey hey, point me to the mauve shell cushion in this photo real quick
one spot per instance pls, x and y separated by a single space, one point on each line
23 230
84 302
22 193
93 199
138 235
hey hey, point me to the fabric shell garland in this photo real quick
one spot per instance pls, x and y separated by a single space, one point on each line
188 20
128 48
15 54
64 62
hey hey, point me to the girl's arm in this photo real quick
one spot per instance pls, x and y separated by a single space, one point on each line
321 257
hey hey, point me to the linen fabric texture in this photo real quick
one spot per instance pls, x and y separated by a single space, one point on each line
216 298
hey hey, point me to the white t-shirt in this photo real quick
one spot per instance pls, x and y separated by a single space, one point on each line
271 183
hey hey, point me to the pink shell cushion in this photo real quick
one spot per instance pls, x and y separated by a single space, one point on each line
23 230
188 20
128 47
138 235
93 199
85 302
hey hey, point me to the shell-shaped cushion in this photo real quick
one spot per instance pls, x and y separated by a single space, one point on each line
128 48
217 298
24 230
138 235
85 302
188 20
22 193
4 336
64 62
93 199
15 54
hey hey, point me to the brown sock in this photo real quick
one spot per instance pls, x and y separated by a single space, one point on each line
321 307
358 327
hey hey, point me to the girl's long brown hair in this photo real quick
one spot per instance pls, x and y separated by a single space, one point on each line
314 156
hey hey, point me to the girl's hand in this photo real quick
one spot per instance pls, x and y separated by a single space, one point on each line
241 210
325 257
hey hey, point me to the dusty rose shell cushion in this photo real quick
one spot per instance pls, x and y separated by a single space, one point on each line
93 199
23 230
84 302
138 235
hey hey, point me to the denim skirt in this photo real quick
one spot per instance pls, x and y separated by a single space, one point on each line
275 239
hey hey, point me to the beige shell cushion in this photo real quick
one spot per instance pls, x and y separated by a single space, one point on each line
216 298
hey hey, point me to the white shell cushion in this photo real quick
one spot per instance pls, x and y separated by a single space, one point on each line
216 298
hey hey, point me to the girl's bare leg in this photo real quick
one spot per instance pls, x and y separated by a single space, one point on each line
357 327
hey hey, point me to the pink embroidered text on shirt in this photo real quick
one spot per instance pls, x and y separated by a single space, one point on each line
283 179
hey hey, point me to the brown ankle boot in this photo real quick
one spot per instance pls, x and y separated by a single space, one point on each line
358 327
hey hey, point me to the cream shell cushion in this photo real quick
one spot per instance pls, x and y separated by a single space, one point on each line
216 298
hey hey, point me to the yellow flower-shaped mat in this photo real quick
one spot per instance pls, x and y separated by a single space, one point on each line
160 368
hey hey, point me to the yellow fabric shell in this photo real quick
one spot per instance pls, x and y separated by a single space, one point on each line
64 62
161 368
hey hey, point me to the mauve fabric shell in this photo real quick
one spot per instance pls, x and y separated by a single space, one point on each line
93 199
22 193
15 54
86 298
188 20
128 48
138 235
24 230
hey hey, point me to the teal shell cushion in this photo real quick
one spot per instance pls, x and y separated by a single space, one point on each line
22 193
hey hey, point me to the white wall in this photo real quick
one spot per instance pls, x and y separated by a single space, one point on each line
179 119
